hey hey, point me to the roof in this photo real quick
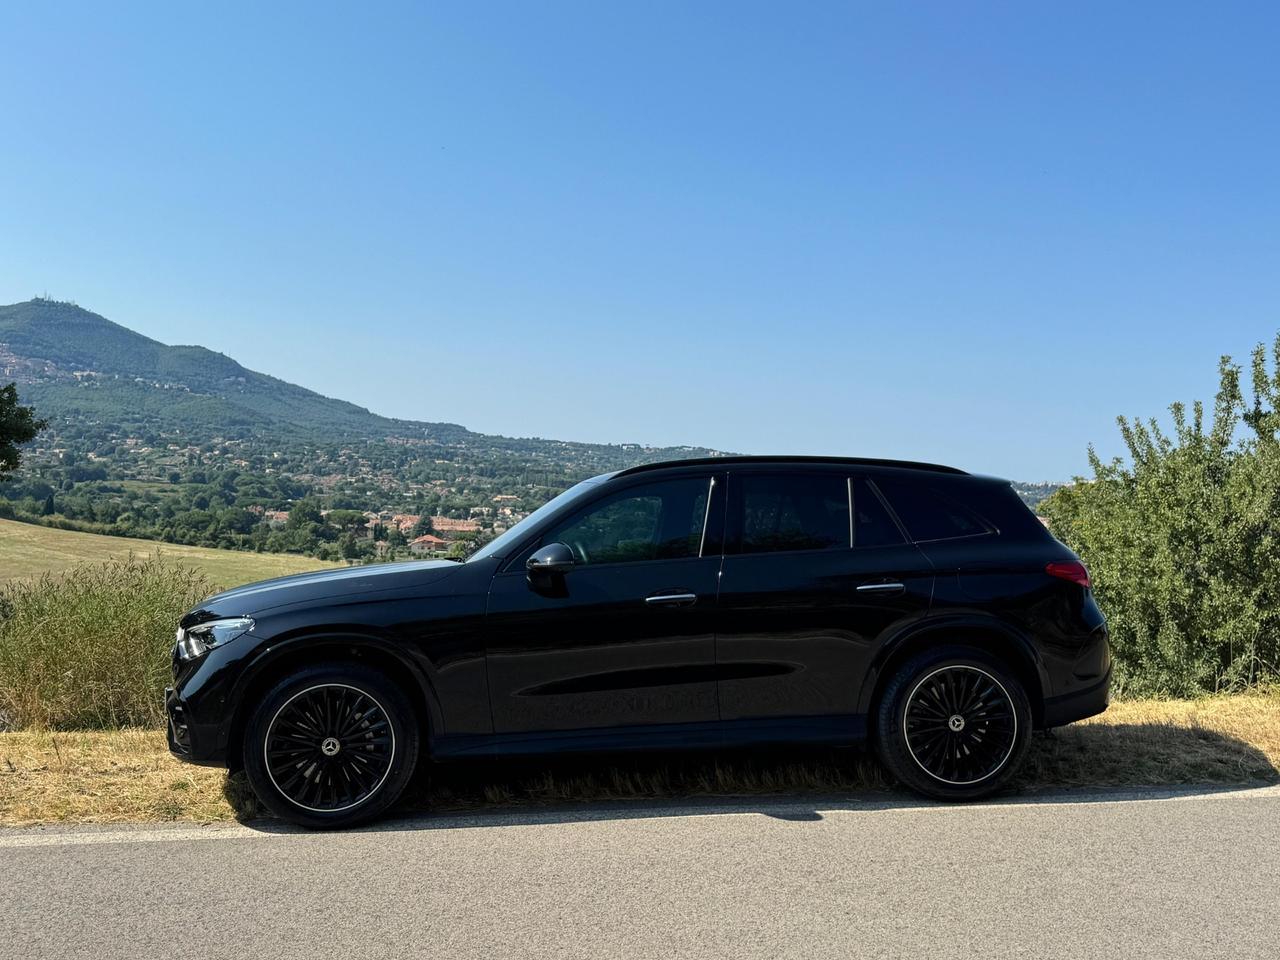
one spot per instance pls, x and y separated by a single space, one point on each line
729 461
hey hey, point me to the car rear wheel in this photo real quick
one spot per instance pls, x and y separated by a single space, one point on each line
331 745
953 724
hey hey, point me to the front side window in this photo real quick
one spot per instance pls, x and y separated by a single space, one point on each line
652 521
781 512
511 539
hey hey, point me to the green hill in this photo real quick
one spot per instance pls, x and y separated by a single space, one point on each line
81 368
74 363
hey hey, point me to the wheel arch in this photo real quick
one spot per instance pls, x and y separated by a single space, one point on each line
340 646
991 637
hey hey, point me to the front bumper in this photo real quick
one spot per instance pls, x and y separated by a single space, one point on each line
189 741
179 731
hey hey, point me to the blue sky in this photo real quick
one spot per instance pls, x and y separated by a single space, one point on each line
971 233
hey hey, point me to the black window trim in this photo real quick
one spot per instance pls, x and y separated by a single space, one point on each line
706 516
848 487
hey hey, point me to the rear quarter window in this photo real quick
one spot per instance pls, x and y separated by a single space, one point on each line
929 514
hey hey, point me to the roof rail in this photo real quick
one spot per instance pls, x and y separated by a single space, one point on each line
729 459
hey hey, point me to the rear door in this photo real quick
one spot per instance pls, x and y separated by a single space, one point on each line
816 570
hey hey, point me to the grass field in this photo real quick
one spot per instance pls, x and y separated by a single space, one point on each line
128 775
28 550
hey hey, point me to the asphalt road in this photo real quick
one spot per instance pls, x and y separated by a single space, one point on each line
1167 875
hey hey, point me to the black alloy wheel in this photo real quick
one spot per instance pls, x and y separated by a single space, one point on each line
959 724
953 723
331 745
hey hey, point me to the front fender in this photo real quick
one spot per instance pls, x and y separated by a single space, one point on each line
341 641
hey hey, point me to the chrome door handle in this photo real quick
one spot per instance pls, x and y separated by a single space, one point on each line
672 599
886 588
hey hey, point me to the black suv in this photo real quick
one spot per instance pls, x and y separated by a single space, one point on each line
698 603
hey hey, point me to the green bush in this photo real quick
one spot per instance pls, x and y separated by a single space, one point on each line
1182 541
91 647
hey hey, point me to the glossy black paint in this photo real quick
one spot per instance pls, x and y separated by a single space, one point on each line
695 651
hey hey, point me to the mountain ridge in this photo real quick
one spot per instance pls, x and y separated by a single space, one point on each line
58 352
84 351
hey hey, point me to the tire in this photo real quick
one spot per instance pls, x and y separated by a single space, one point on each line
331 745
953 724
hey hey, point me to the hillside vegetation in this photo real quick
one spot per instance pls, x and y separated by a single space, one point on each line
28 550
82 364
185 445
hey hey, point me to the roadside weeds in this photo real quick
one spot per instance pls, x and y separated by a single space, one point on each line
116 776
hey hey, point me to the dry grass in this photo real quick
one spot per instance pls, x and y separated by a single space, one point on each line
101 777
113 776
27 550
1222 739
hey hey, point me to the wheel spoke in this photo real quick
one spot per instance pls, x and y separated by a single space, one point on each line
355 716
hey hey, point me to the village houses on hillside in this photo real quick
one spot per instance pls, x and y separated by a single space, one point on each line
452 528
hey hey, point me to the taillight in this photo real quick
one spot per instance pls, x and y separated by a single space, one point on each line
1072 570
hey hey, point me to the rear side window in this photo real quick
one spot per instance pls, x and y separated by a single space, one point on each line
929 515
792 512
872 525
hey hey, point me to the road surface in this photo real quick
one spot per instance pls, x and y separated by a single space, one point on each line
1162 875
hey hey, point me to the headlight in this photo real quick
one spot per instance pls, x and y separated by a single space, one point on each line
196 641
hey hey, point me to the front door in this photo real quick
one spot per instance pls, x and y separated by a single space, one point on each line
625 639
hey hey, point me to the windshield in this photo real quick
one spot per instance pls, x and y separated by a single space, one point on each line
504 543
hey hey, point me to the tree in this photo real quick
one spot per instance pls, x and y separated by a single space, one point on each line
1182 540
461 549
348 546
304 512
345 521
18 425
423 527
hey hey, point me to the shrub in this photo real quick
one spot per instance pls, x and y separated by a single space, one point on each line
91 647
1182 541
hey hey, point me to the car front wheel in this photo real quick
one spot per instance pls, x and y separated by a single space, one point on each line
331 745
953 724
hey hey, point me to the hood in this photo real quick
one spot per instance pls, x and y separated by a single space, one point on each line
254 598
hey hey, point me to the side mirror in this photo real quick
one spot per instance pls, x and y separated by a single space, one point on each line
551 558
